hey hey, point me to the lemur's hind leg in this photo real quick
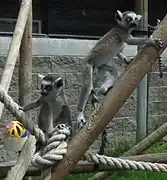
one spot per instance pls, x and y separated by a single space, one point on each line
93 98
86 90
109 75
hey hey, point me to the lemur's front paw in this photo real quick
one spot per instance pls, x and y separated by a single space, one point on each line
62 126
20 108
104 90
159 43
80 120
128 61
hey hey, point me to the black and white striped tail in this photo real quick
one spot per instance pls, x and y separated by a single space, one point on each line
102 147
160 67
103 142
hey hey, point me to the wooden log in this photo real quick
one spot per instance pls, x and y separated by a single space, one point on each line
21 166
113 101
14 47
25 68
84 166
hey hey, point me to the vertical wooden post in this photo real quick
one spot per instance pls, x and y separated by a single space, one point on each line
25 69
142 90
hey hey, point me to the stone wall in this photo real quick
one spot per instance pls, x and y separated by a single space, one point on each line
65 56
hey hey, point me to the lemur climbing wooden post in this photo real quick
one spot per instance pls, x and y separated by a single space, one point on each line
113 101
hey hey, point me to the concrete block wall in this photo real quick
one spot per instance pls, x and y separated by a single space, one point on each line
65 57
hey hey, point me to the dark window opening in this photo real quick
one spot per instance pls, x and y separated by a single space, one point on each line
8 25
157 10
74 18
89 18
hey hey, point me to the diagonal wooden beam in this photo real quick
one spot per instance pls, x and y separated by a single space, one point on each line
113 101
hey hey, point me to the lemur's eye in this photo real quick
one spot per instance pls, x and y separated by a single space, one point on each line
41 86
48 87
129 19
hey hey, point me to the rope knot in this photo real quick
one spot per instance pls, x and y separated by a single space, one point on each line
55 149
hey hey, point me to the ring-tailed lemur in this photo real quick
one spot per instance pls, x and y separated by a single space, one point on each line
54 109
101 58
54 105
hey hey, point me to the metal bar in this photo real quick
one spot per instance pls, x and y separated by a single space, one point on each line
87 37
33 34
142 90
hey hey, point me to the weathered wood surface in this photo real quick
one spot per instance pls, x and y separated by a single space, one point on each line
25 68
20 168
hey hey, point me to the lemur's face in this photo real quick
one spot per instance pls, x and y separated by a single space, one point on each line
129 19
50 84
46 87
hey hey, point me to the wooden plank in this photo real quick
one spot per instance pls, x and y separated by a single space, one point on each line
19 170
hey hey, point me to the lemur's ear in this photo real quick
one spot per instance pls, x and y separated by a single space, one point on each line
118 15
59 82
139 17
158 21
41 76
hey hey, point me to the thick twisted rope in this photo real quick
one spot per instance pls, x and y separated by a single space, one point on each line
127 164
14 109
55 148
